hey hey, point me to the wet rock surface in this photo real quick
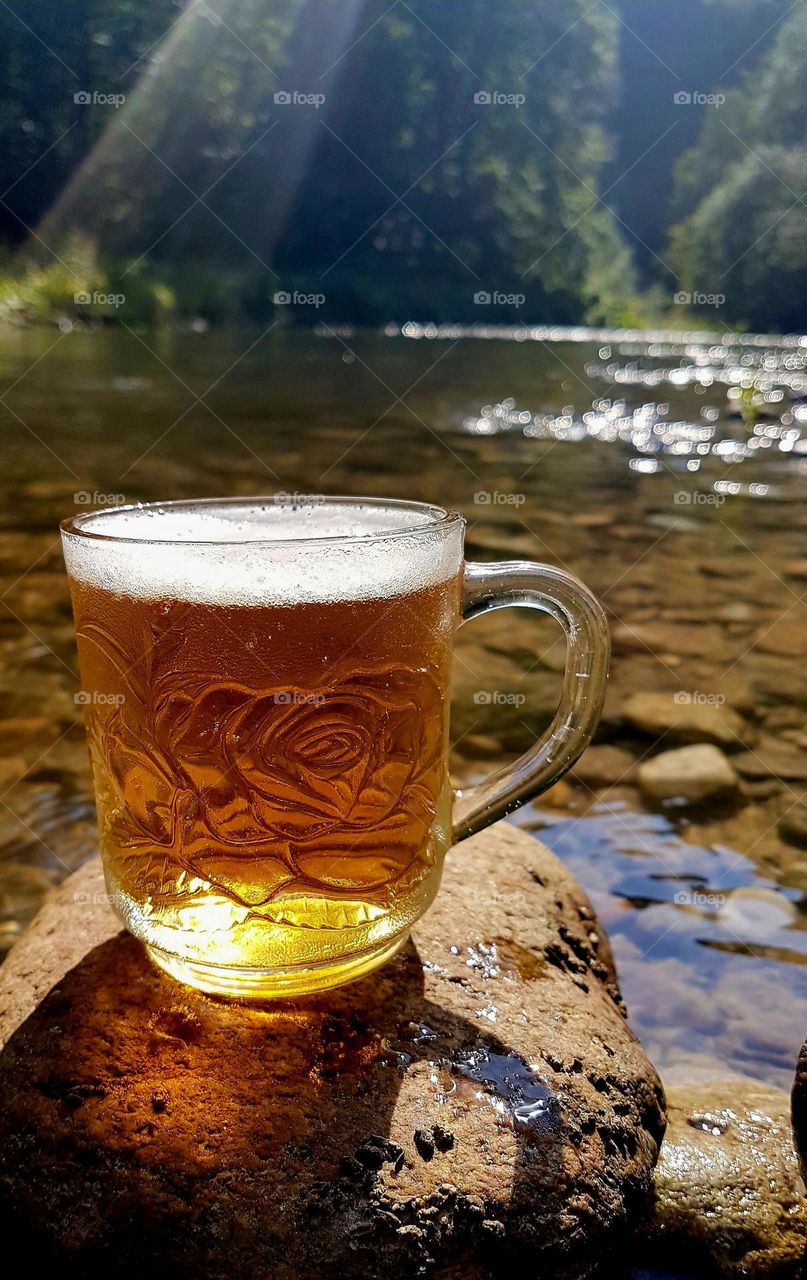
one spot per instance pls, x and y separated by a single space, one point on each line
692 774
729 1193
478 1105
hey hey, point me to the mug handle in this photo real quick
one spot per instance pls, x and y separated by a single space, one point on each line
539 586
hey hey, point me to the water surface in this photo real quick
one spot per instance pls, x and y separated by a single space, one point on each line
646 465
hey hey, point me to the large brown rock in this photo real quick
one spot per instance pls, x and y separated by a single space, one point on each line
477 1105
729 1192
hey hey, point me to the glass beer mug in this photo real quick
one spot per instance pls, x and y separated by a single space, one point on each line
266 691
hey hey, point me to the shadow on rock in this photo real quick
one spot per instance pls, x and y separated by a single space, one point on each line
464 1110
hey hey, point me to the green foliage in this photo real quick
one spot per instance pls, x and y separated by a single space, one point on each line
46 292
741 193
496 197
398 196
74 287
748 240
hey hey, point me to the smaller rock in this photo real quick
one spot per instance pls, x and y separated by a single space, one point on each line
17 731
479 746
763 788
690 640
593 519
688 773
773 758
12 769
559 796
735 611
668 715
728 1188
754 913
724 568
785 637
792 825
603 766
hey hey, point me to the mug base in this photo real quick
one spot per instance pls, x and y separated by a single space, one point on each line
274 984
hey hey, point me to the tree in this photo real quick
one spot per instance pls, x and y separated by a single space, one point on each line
403 191
740 193
64 48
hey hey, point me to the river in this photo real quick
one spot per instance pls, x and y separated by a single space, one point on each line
636 461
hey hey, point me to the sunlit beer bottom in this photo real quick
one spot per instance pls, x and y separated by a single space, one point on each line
218 948
295 946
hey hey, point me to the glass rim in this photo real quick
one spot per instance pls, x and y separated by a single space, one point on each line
435 518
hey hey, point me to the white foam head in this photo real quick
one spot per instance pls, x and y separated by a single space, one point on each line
264 552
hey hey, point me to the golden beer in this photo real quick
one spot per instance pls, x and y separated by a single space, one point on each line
271 776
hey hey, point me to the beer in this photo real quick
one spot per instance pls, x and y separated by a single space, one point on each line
268 727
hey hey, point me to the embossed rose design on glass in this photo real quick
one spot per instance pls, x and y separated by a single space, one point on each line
266 696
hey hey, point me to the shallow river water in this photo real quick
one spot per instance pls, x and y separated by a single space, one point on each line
637 461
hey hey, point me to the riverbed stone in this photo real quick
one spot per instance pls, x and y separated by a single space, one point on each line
729 1193
692 774
792 825
478 1103
604 766
785 636
773 758
678 718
